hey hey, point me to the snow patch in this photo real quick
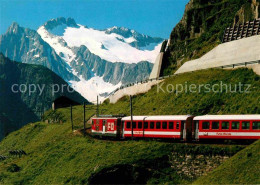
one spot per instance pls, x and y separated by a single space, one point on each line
130 40
32 50
93 87
58 44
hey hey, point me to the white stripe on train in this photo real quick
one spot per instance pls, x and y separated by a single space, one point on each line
229 133
153 133
100 131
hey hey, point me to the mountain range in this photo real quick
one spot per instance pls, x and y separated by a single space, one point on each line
19 106
94 62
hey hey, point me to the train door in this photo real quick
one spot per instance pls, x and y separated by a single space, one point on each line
189 129
122 128
104 123
196 134
183 130
119 128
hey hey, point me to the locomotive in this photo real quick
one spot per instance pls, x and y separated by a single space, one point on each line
179 127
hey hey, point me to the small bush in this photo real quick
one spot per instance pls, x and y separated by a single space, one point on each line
13 168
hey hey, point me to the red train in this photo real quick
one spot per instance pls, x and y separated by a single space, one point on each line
181 127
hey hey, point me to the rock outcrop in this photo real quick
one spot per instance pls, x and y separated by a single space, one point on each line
202 26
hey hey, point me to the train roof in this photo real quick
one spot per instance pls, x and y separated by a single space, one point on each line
228 117
168 117
134 118
103 117
149 118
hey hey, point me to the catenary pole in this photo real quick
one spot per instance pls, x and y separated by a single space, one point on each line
97 107
71 118
84 116
131 113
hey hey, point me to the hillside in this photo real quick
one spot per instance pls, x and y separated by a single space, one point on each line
56 156
242 168
202 26
20 107
198 102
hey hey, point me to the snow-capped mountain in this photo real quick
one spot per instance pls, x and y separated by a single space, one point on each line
26 45
113 44
92 61
135 39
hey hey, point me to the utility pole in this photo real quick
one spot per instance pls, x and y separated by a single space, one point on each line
42 116
84 116
131 114
97 108
71 118
42 112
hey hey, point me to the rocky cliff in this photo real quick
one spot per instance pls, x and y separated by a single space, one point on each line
25 45
201 28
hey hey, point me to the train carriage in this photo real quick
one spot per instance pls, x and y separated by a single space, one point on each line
181 127
106 126
175 127
227 127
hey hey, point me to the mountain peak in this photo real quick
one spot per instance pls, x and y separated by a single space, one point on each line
14 24
114 28
118 28
14 28
51 24
125 32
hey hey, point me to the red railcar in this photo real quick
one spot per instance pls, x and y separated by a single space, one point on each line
158 127
106 126
186 128
227 127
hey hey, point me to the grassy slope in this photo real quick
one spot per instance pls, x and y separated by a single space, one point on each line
196 103
242 168
55 155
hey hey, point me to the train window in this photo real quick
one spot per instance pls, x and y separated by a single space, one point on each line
215 124
205 125
128 124
158 125
225 125
256 125
140 125
145 125
92 122
134 124
164 125
235 125
245 125
177 125
151 125
170 125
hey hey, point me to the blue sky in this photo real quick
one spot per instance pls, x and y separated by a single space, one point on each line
152 17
